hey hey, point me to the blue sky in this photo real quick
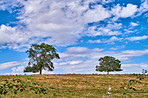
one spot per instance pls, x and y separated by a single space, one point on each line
82 31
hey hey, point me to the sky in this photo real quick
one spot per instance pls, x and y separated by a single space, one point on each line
82 31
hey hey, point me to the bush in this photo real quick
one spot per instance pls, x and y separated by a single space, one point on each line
17 85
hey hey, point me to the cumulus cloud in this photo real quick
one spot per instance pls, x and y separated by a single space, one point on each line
111 40
9 35
9 4
81 50
15 38
47 21
81 67
143 8
134 68
9 64
127 54
108 30
78 52
95 41
144 66
124 12
117 47
53 19
133 24
96 14
18 70
137 38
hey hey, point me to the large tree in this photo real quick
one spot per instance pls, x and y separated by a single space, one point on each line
40 57
108 64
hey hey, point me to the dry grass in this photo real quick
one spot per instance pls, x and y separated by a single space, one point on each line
77 85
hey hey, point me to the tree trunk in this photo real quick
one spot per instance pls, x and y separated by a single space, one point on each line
40 70
107 72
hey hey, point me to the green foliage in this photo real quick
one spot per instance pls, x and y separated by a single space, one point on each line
17 85
144 71
108 64
130 85
40 57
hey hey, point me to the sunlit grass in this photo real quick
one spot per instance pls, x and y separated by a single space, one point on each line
82 86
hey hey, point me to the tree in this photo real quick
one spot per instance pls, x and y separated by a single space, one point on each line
144 71
108 64
40 57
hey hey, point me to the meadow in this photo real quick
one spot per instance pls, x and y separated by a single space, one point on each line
81 86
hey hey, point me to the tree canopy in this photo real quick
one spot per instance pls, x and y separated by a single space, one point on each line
108 64
40 57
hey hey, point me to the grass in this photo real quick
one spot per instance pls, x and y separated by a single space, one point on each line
80 86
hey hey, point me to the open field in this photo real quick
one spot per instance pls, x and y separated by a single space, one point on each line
80 86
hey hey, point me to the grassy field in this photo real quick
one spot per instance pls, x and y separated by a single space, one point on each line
80 86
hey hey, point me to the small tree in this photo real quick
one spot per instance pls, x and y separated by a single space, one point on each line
108 64
144 71
40 57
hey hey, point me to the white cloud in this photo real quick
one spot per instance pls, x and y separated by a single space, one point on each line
75 62
95 41
136 38
117 47
66 18
47 21
111 40
75 53
61 23
124 12
18 70
143 7
9 64
83 67
127 54
8 4
15 38
93 31
142 65
108 30
134 68
97 14
80 50
114 26
10 35
133 24
129 10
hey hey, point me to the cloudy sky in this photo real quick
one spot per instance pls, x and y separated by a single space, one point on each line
82 31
